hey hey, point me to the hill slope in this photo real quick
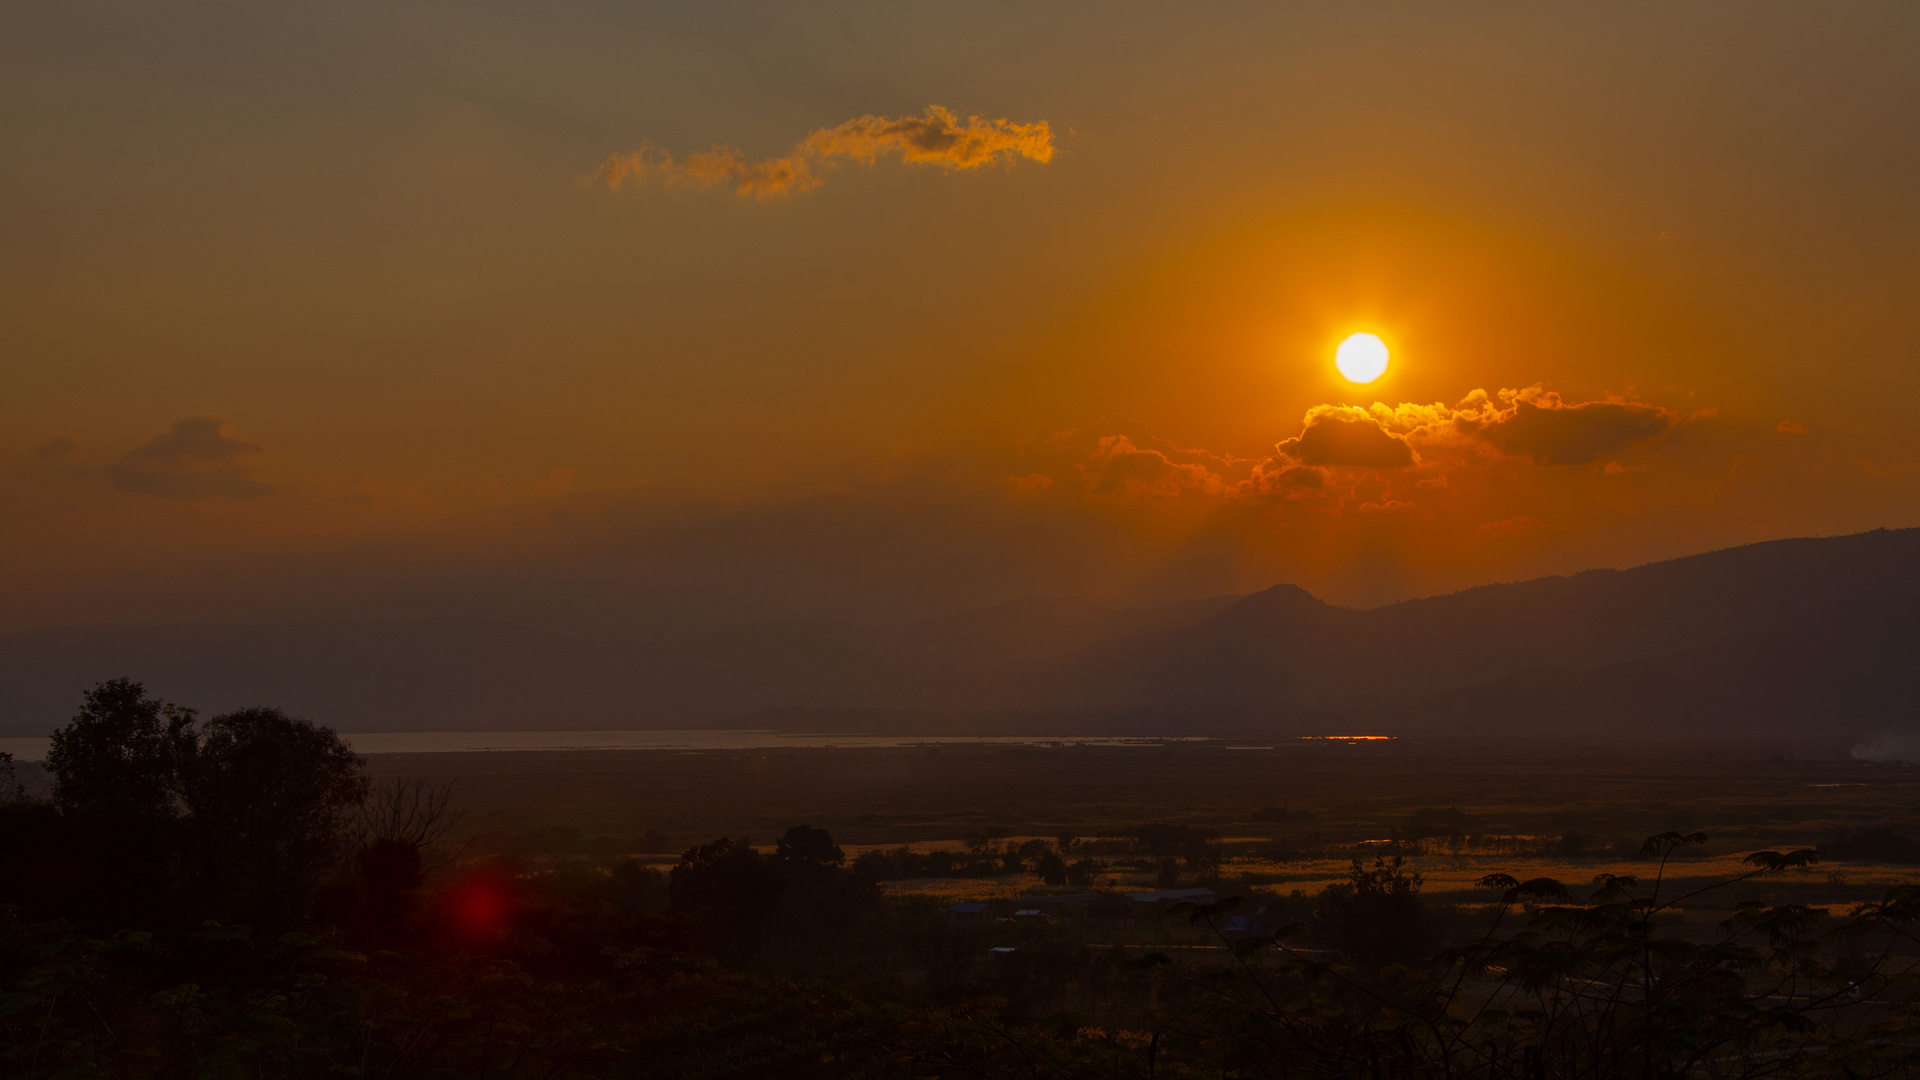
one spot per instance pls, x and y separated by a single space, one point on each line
1791 635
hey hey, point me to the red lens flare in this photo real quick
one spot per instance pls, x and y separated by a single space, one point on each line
479 906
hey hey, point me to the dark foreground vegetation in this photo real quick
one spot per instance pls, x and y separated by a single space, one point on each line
235 897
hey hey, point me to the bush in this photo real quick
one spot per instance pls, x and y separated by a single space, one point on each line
1376 916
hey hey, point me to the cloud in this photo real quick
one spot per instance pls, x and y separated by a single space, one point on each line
711 168
1788 427
1891 746
193 458
56 449
1118 456
1119 467
1337 436
938 138
1438 446
1540 426
1519 524
1030 485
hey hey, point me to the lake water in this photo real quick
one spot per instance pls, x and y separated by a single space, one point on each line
460 742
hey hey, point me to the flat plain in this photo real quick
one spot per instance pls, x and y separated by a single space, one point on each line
1289 814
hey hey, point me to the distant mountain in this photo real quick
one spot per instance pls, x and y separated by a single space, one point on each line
1283 652
1812 635
1848 669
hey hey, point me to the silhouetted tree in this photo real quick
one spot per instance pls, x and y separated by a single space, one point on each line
113 768
270 803
821 897
1051 868
804 848
409 811
11 790
1376 916
238 819
730 891
34 862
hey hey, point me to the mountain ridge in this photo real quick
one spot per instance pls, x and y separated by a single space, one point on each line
1672 639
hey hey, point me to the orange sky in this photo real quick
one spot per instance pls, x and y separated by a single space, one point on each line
874 360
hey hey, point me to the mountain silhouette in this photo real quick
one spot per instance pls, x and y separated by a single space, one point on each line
1284 652
1815 635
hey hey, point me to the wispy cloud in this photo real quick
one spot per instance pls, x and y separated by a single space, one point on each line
937 138
59 448
194 458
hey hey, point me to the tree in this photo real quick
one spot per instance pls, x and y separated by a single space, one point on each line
11 790
1051 868
32 857
113 768
1376 916
271 802
729 889
113 762
400 820
804 848
237 819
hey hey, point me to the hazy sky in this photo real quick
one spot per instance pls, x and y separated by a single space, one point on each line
330 310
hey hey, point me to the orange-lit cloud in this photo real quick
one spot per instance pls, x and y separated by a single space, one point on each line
1552 432
1108 510
1409 450
1416 453
938 138
1119 457
1337 436
711 168
1531 423
1517 524
194 458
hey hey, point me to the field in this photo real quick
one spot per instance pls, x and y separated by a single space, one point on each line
1289 816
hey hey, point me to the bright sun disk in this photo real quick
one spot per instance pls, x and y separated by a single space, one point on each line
1362 358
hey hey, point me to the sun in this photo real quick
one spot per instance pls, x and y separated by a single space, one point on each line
1362 358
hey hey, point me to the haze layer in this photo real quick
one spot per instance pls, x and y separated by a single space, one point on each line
650 319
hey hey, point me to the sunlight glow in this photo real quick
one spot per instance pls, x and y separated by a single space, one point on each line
1362 358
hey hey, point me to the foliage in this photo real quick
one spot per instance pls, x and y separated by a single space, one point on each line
161 819
1586 989
114 782
269 803
805 849
295 925
730 891
11 790
1376 915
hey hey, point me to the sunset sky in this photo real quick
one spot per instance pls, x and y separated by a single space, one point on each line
629 317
